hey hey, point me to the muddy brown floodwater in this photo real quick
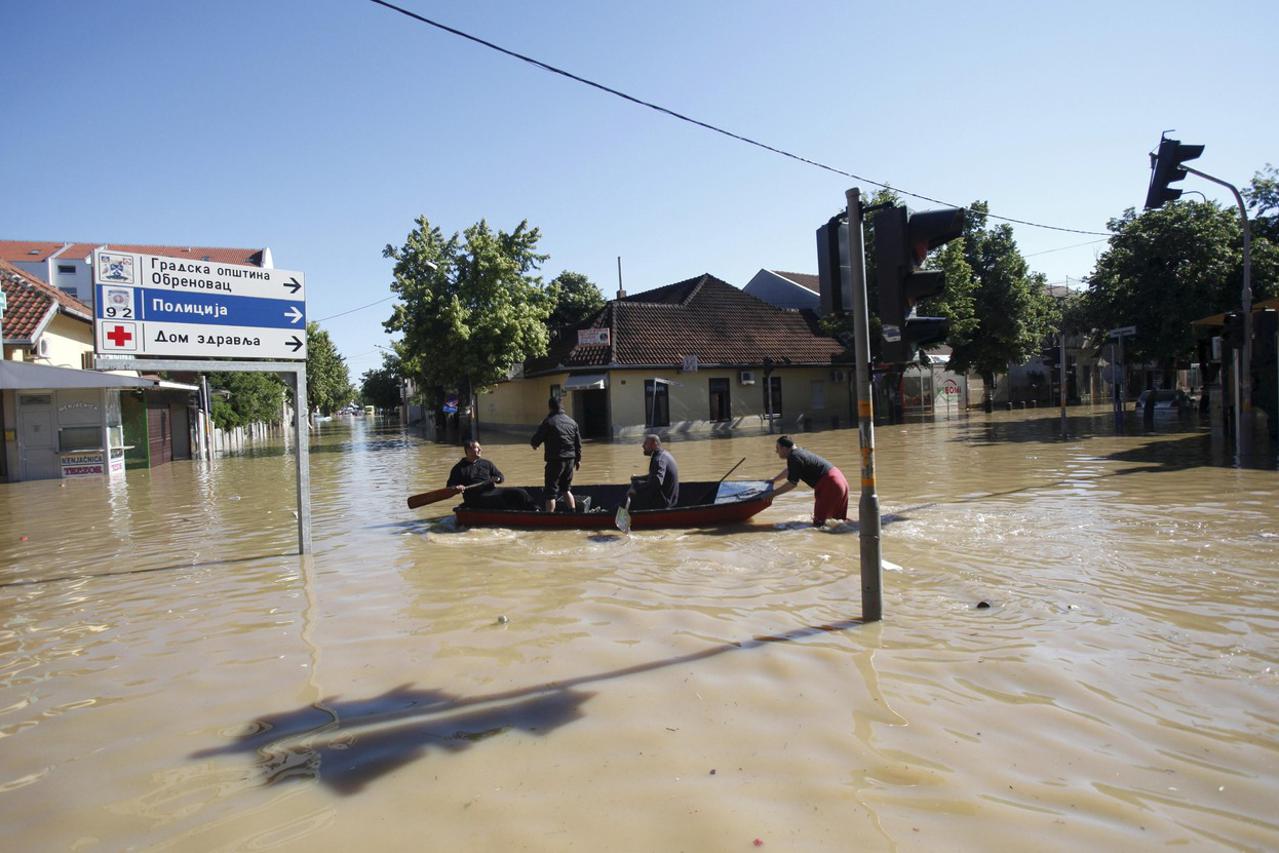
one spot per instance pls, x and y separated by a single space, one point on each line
171 678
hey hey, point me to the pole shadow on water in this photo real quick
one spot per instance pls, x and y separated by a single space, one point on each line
346 744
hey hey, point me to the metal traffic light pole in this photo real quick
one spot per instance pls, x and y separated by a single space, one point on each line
868 507
1243 413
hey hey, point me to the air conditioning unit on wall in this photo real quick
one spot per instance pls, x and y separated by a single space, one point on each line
42 347
746 377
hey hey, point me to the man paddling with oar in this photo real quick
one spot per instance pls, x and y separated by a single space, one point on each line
476 480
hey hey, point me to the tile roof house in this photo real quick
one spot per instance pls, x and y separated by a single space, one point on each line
704 317
697 356
32 308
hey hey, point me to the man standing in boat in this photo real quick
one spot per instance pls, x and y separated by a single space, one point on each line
829 486
476 480
660 489
563 454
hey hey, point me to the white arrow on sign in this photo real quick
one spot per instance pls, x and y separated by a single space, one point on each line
293 314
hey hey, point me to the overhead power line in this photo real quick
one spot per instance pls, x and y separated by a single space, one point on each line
706 125
353 310
1064 248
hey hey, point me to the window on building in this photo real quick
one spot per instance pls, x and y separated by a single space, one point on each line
721 404
773 396
817 394
70 291
66 268
657 404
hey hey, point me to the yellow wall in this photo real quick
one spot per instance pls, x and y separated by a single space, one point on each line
520 404
69 339
690 400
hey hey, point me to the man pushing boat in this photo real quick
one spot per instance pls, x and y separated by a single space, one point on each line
830 499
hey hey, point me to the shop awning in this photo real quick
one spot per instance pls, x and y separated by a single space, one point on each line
22 375
1220 319
586 382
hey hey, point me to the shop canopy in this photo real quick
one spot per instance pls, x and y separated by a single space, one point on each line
1220 319
586 382
22 375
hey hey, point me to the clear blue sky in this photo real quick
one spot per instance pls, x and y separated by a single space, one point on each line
321 128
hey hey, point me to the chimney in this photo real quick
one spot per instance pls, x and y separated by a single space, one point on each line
621 294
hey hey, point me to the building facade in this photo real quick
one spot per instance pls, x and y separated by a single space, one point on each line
696 357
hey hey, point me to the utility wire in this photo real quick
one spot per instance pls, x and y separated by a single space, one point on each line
706 125
353 310
1063 248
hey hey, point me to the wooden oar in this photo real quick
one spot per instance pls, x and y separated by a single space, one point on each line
623 517
710 497
425 498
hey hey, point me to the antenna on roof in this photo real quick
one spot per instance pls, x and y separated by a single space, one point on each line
621 294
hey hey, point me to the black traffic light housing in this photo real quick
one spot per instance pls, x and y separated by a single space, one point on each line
833 270
1232 332
902 241
1165 169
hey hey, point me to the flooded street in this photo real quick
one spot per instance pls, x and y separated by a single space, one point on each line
173 678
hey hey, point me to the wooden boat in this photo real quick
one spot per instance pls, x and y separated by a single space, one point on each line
701 504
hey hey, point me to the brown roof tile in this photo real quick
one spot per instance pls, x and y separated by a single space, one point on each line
702 316
29 302
28 251
252 257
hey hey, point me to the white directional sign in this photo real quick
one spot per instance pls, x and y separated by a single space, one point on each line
1122 332
150 305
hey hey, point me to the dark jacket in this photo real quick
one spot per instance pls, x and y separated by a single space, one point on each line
661 487
466 473
560 433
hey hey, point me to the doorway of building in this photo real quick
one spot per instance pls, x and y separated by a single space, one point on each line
37 437
591 408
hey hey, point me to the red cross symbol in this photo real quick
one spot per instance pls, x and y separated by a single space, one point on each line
119 336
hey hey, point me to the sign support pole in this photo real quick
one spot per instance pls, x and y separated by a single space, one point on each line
300 425
1063 395
868 524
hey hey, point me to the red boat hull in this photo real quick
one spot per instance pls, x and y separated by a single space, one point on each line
733 510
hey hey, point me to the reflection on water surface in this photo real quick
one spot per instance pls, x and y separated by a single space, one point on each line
165 658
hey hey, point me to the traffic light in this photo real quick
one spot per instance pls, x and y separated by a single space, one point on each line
1231 333
833 272
1050 354
902 240
1165 169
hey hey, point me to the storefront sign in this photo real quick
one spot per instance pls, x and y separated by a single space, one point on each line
82 464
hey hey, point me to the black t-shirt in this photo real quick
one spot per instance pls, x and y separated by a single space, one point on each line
563 441
662 484
465 473
806 465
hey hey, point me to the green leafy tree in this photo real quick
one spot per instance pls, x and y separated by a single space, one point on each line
574 297
1167 267
1013 310
328 384
380 386
249 398
1263 199
470 306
